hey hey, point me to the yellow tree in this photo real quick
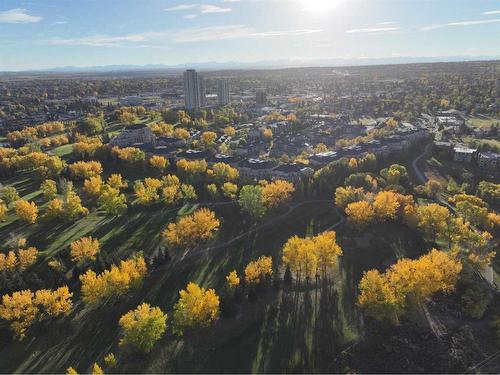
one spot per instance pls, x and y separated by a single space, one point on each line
258 269
360 214
229 190
277 192
116 181
158 162
49 189
143 327
348 194
229 131
181 134
208 138
192 229
432 219
386 205
113 283
112 201
85 169
24 308
267 134
224 172
3 210
84 249
378 298
232 280
196 307
327 251
92 186
27 211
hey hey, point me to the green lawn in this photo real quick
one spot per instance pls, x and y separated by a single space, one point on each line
482 122
63 150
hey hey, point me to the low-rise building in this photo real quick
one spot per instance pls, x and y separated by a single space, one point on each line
292 172
256 168
489 160
463 153
138 133
323 158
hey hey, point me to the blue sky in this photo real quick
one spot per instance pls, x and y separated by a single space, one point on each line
47 33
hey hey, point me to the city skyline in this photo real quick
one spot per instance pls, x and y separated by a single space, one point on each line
53 33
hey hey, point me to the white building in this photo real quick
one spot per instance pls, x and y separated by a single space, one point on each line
194 90
463 153
223 91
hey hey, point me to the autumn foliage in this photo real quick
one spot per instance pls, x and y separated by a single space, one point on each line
113 283
23 309
192 229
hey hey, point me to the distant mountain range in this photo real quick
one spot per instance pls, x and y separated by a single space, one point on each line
266 64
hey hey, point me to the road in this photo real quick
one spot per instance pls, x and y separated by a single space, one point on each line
423 179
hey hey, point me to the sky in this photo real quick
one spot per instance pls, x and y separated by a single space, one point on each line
40 34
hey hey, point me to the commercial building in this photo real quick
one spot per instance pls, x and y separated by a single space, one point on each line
194 90
261 98
223 91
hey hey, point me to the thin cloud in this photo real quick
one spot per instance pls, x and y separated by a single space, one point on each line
213 9
491 12
18 15
387 23
460 23
59 23
189 35
372 30
181 7
190 16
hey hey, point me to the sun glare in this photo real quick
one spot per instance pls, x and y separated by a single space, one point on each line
318 6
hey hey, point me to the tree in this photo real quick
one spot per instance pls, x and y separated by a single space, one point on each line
409 280
208 138
433 219
327 251
232 280
196 307
147 192
477 215
143 327
360 213
22 309
71 371
378 298
92 124
395 175
182 134
386 205
192 229
277 192
10 194
96 369
158 162
258 269
224 172
84 249
433 188
3 210
229 190
27 211
129 154
128 118
212 191
113 283
230 131
72 205
49 189
348 194
251 201
116 181
93 186
85 169
267 134
110 360
306 256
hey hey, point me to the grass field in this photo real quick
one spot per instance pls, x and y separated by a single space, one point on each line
482 122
